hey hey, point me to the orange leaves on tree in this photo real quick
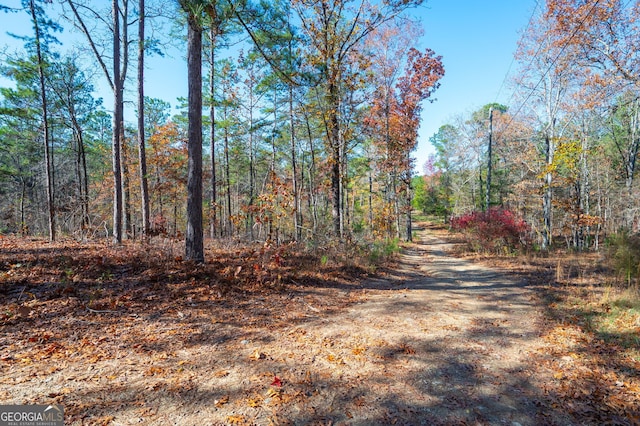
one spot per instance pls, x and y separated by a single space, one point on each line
167 165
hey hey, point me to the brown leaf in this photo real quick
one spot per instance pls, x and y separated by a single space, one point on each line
24 311
220 402
221 373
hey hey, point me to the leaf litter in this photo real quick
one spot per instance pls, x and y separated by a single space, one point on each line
275 336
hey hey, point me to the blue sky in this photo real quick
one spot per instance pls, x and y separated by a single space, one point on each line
475 38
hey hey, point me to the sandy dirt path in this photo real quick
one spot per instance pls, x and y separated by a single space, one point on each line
439 341
445 341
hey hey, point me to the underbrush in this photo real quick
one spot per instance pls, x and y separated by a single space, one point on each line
497 231
382 250
37 276
362 254
618 318
623 254
584 289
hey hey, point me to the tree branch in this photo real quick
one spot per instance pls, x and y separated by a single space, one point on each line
92 44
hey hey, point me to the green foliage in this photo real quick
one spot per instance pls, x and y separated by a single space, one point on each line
383 249
623 251
483 113
420 196
431 195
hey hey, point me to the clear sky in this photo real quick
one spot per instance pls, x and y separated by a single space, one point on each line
475 38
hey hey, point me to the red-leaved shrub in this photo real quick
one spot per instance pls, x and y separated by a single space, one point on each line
494 231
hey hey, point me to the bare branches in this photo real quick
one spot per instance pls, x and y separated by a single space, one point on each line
80 22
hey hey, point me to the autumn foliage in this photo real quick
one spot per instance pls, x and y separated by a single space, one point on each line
492 231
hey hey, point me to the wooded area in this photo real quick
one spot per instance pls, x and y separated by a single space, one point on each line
564 148
308 133
239 261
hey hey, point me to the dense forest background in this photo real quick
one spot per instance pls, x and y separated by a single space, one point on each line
300 123
309 112
562 153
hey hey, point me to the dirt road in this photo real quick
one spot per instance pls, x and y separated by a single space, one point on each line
439 341
445 341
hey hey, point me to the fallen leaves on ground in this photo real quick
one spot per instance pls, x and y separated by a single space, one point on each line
113 323
594 375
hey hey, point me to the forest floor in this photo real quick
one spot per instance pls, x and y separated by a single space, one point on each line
273 336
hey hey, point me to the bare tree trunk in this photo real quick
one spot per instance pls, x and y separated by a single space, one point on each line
344 190
336 159
487 203
78 166
194 242
409 195
116 83
252 171
48 157
227 177
370 201
127 224
23 195
142 154
118 112
548 194
85 182
297 214
275 128
396 202
81 164
312 173
212 136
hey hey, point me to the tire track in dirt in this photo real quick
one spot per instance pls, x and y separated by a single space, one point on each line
440 340
446 341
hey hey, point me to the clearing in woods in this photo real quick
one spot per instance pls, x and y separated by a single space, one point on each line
438 340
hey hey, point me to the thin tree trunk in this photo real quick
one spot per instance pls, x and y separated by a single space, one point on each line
78 166
275 128
116 83
48 157
81 164
408 201
548 195
212 136
336 159
194 240
252 172
396 202
312 185
118 113
23 226
83 176
227 172
85 182
297 214
142 152
127 224
487 203
371 201
344 190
